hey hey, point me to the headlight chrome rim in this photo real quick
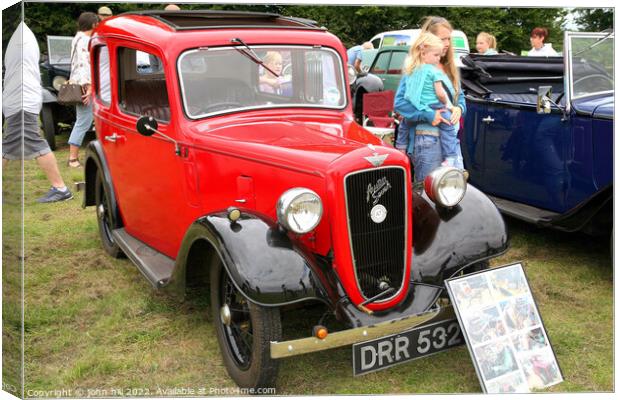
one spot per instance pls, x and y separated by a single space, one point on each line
284 208
58 81
435 181
352 74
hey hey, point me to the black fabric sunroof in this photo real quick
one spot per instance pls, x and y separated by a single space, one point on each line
204 19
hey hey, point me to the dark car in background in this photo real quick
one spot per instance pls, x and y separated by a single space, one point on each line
538 133
55 70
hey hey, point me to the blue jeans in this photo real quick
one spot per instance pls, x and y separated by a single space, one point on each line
426 155
450 144
83 122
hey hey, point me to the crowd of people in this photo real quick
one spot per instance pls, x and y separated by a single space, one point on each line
428 99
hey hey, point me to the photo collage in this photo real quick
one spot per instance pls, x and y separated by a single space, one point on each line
503 330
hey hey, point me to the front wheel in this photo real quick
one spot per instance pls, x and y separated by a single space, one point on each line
105 218
244 332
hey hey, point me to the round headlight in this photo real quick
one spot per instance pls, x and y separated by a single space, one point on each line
446 186
58 82
352 74
299 210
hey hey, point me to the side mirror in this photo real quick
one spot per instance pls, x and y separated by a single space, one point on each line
146 126
352 74
543 101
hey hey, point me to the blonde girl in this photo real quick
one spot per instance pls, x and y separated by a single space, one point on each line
486 44
425 90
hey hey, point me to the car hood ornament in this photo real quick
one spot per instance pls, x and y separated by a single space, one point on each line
376 159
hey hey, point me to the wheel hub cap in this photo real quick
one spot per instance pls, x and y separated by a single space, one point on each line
225 315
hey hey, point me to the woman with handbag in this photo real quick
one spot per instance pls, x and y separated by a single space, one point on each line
80 74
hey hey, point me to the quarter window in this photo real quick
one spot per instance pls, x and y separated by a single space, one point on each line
142 84
102 76
396 62
381 64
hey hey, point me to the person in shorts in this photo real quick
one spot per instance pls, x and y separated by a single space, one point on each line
21 104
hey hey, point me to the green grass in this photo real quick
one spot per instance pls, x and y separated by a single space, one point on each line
94 322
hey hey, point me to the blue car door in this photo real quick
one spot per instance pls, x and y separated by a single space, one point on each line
525 154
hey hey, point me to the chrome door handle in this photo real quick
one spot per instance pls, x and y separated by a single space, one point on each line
114 137
488 119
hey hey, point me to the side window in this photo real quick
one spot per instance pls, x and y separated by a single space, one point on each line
381 63
396 63
142 84
102 76
376 42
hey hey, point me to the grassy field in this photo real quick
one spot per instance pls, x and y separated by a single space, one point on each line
94 323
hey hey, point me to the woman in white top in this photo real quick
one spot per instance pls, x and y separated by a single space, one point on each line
539 47
80 74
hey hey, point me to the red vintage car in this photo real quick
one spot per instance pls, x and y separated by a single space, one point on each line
227 155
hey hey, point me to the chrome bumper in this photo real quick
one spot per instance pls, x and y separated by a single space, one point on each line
357 335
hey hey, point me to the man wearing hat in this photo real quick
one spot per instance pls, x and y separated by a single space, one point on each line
103 13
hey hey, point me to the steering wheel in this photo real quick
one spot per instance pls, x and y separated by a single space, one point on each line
209 108
600 82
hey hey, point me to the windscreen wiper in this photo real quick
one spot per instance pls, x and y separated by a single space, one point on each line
249 53
595 43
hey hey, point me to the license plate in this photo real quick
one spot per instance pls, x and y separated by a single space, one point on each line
423 341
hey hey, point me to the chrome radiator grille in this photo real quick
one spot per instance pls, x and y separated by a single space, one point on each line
376 213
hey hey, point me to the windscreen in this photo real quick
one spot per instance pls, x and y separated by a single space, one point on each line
592 61
230 79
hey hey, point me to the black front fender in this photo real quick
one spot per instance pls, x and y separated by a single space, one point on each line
448 240
265 264
96 162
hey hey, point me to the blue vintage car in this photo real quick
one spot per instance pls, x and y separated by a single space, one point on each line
538 133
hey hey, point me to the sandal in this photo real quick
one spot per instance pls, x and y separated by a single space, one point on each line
74 161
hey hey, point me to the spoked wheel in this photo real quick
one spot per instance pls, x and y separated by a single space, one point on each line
244 331
105 219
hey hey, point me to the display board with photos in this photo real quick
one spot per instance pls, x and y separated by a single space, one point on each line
503 330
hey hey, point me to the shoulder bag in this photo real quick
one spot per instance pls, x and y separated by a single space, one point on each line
70 94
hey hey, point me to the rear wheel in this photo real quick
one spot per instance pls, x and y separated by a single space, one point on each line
244 332
105 218
49 127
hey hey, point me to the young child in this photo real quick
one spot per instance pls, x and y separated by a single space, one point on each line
270 83
486 44
425 90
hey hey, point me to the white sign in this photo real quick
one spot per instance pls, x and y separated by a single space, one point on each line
503 330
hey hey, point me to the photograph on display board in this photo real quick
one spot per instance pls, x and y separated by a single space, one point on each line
485 325
519 313
473 292
496 359
507 282
511 383
503 330
530 340
541 369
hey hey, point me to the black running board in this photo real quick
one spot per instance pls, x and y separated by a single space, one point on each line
156 267
523 211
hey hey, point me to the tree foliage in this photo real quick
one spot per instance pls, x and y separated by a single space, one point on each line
352 24
595 19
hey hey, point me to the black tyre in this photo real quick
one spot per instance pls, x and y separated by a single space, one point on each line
359 105
49 127
244 331
105 218
479 266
